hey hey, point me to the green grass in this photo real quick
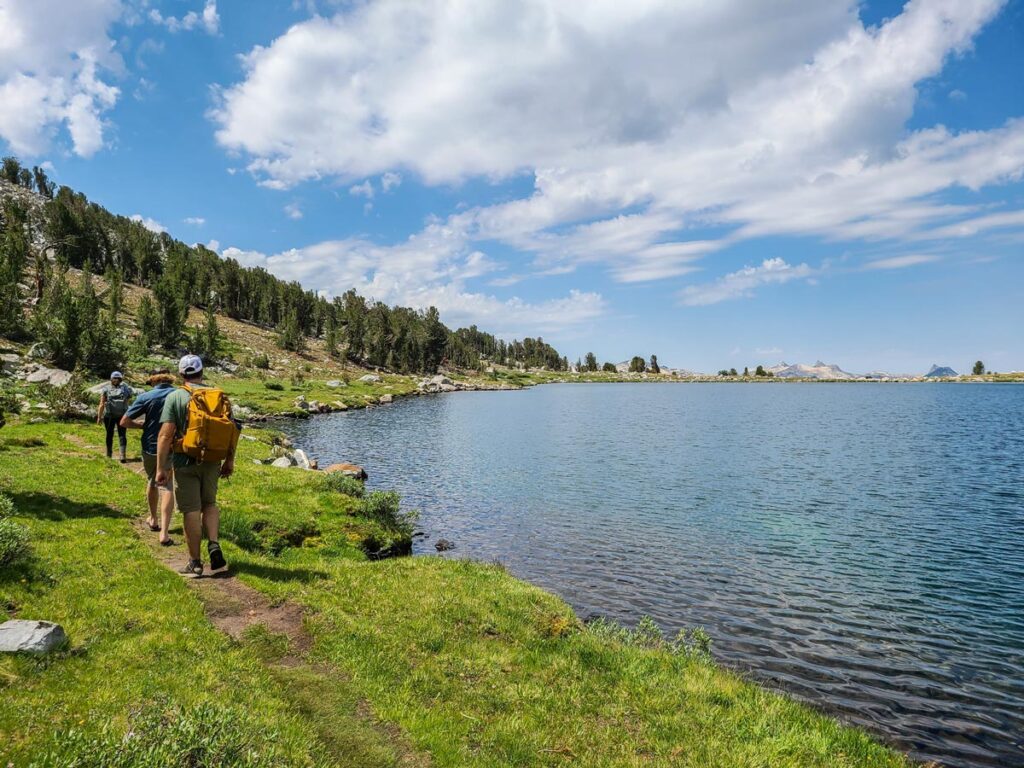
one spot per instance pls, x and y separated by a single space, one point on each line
253 392
411 657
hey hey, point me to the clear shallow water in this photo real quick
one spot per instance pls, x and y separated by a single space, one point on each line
860 546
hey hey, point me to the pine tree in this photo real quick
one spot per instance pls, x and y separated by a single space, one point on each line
13 258
115 291
171 313
206 339
654 367
289 336
979 368
148 322
590 362
637 365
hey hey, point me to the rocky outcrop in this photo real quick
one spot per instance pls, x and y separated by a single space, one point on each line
38 637
55 377
437 383
370 378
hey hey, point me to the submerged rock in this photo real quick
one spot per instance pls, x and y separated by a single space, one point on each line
443 545
352 470
21 636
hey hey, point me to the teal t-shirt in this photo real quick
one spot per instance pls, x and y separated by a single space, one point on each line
176 412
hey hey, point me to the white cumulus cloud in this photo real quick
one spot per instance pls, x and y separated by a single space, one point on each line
639 122
54 58
151 224
431 268
207 19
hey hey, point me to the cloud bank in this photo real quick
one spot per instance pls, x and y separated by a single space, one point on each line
640 123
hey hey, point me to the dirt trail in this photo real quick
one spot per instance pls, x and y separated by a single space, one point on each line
233 607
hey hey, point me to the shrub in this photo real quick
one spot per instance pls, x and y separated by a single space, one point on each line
341 483
260 361
277 386
6 506
384 508
67 402
693 643
13 541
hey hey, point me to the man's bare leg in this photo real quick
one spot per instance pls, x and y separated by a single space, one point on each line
166 502
193 533
152 498
211 521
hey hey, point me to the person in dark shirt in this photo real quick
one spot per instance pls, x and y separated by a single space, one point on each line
144 414
114 400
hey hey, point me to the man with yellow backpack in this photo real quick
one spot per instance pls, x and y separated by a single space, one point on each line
198 436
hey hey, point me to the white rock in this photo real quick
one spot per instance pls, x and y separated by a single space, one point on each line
340 406
370 378
21 636
384 399
300 458
283 462
55 377
334 383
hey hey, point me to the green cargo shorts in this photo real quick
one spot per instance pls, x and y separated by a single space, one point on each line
195 486
149 463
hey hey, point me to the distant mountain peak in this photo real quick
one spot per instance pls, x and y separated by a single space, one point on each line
940 371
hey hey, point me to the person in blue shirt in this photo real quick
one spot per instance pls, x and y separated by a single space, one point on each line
144 414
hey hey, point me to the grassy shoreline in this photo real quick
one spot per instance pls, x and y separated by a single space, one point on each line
431 661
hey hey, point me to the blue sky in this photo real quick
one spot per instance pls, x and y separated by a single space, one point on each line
720 186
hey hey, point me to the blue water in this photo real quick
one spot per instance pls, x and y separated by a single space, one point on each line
860 546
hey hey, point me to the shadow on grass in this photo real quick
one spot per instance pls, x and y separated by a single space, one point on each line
278 574
44 506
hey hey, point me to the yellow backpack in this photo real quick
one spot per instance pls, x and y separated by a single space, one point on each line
211 434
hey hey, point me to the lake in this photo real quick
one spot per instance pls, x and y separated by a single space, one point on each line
860 546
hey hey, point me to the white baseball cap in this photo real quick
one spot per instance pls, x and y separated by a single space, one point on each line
190 365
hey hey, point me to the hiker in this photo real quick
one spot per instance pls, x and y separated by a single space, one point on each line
197 439
114 399
145 414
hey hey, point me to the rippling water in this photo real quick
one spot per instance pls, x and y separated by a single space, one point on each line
860 546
